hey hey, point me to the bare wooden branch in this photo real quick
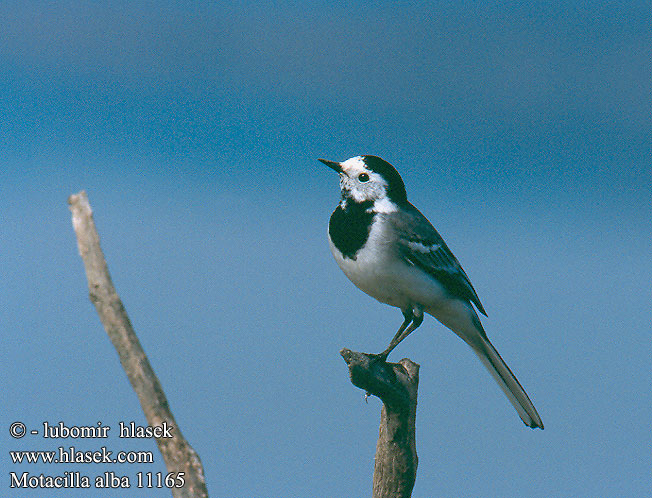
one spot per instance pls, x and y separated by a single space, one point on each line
396 384
179 456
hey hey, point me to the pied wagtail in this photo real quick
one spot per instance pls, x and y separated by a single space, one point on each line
390 250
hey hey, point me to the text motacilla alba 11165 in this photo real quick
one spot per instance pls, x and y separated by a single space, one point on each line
390 250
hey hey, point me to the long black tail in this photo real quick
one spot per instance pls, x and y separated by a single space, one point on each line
508 383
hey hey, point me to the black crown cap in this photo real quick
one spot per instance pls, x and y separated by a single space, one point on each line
395 186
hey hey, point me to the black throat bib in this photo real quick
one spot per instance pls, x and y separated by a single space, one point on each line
349 227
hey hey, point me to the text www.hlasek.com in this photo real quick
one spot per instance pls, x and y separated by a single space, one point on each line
72 455
106 478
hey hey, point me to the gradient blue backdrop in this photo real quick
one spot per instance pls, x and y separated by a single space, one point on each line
522 131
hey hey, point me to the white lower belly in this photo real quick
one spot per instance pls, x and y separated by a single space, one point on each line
392 281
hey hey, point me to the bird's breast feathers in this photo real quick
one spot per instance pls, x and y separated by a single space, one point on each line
379 270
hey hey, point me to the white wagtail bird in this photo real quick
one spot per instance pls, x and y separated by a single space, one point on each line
390 250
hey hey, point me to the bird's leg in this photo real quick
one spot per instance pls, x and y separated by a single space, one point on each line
413 315
409 316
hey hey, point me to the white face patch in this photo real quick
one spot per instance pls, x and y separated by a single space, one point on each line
362 184
354 162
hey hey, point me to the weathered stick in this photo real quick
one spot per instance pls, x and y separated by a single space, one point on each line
180 458
396 384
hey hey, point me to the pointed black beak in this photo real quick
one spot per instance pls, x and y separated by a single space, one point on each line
332 165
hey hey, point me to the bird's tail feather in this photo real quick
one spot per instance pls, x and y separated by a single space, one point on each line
508 383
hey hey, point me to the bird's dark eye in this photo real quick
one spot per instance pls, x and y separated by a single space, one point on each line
363 177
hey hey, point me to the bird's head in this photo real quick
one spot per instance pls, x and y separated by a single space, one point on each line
369 178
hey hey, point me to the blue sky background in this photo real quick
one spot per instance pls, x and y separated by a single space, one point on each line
523 132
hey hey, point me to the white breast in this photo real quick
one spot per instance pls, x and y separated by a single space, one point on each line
379 271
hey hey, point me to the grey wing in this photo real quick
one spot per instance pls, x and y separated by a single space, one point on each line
422 246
